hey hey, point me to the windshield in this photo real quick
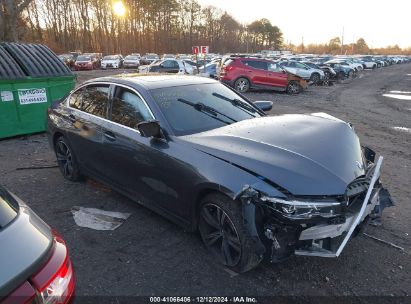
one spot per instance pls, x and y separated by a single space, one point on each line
83 58
110 58
197 108
131 58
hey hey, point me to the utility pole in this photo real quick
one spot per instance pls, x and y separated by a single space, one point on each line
352 45
302 44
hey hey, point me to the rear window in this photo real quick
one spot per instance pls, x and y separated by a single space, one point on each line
8 208
228 62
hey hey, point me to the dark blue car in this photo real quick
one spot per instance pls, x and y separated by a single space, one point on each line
205 157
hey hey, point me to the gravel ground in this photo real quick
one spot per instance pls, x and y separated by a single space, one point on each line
148 255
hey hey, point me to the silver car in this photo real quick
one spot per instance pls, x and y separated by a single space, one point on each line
302 70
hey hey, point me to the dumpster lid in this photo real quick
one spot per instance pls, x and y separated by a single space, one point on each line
35 60
9 68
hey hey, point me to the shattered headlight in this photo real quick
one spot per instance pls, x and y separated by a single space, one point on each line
295 210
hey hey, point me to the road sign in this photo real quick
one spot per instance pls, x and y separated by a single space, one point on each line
196 50
204 49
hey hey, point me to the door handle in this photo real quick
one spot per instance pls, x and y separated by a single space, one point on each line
249 71
72 118
110 136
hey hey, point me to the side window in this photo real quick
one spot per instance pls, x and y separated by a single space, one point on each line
168 64
175 64
128 108
95 100
300 66
75 99
273 67
260 65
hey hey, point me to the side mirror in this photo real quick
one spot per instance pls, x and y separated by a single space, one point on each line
283 71
161 65
150 129
264 105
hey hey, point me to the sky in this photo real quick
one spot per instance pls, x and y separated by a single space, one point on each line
380 23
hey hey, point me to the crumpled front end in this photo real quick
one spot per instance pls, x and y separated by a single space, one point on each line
316 226
301 81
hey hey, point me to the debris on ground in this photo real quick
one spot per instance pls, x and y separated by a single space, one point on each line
384 242
98 219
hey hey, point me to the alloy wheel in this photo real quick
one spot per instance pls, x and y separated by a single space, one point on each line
242 85
315 78
293 88
219 234
64 158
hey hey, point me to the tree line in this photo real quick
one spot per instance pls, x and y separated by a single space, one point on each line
336 47
161 26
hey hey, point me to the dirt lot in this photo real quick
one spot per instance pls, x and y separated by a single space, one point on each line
148 255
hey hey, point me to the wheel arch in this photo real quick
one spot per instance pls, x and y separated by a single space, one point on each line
243 76
203 191
56 135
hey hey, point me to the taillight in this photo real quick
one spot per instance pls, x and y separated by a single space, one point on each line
55 281
61 288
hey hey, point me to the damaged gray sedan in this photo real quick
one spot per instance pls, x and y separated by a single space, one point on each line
255 186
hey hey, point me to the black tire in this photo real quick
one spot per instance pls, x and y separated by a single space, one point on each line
315 78
66 160
327 76
224 234
293 88
242 84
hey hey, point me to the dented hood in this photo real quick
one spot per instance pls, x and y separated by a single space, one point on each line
313 154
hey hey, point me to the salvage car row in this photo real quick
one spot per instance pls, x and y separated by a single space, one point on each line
290 73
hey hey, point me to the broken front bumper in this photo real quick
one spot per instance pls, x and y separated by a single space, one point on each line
321 235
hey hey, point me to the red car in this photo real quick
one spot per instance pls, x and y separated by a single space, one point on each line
85 62
246 73
34 261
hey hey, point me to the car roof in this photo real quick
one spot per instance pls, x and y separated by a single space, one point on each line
153 81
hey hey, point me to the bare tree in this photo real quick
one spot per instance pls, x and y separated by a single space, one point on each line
10 13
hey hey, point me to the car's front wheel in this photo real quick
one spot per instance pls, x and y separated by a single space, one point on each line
66 160
223 232
293 88
242 85
315 78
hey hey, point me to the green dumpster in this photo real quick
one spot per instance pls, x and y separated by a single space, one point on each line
31 78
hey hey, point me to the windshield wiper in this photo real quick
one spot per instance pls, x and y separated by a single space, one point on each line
209 111
237 103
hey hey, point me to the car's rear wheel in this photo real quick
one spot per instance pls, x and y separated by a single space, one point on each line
293 87
66 160
223 232
242 85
